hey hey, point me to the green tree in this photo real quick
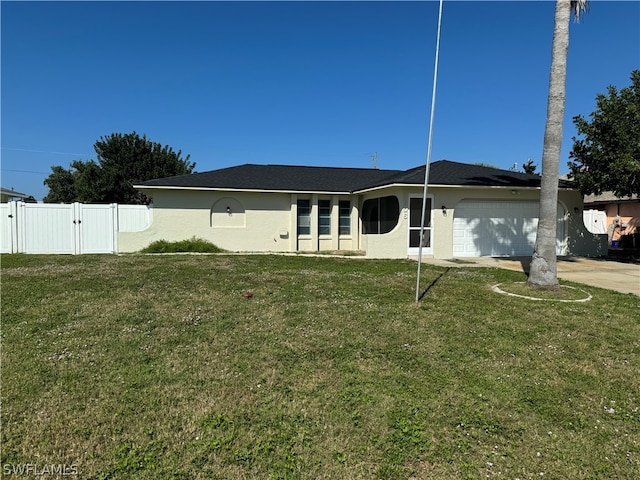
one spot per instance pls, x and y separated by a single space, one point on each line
62 185
607 158
123 160
543 271
89 185
529 167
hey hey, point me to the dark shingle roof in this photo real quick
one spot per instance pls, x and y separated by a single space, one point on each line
336 179
278 178
445 172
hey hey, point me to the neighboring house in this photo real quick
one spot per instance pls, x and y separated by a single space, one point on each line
622 217
472 211
8 195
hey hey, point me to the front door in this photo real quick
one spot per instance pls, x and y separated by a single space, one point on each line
415 219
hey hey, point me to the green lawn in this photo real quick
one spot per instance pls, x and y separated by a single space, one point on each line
157 367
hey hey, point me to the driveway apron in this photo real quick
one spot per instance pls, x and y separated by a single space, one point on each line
618 276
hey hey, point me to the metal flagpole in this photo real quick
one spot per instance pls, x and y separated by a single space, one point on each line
426 170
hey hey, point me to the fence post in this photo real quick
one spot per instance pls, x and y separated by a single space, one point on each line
77 227
13 222
22 227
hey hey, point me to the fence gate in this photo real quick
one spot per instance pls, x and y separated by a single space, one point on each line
8 228
58 228
98 229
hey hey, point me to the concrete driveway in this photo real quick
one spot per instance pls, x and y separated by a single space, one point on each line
618 276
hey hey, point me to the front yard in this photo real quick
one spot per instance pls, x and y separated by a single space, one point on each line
159 367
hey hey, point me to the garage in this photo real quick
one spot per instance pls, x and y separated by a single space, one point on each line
497 228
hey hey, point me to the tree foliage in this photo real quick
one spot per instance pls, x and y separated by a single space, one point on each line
123 160
529 167
61 185
607 158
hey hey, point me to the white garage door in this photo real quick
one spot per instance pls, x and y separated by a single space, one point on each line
484 228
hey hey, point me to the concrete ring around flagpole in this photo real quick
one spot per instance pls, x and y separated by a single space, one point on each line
497 289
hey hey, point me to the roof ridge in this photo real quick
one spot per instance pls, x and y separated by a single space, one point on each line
326 167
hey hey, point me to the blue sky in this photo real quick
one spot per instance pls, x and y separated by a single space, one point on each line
304 83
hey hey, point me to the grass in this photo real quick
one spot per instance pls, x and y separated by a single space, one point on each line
194 244
154 367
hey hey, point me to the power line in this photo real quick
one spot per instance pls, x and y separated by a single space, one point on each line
23 171
44 151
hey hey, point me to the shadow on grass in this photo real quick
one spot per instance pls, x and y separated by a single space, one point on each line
433 283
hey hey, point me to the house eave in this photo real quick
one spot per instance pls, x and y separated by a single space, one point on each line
243 190
339 192
611 202
441 185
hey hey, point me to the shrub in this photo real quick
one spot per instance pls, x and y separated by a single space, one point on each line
193 244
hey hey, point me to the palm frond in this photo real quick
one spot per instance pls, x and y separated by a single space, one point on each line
578 7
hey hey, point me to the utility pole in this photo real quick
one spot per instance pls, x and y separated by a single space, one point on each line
374 156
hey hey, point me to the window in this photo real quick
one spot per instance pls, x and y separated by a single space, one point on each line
380 215
344 207
304 217
324 217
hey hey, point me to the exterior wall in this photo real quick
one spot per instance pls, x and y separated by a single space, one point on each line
623 219
315 242
254 222
578 240
240 221
451 197
266 222
393 244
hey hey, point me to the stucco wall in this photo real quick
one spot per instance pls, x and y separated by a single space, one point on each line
394 243
247 221
578 240
240 221
254 222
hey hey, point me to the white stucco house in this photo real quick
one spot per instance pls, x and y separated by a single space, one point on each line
472 211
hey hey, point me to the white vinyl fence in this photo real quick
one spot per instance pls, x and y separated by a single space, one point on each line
67 228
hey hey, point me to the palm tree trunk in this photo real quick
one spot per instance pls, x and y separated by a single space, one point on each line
543 271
